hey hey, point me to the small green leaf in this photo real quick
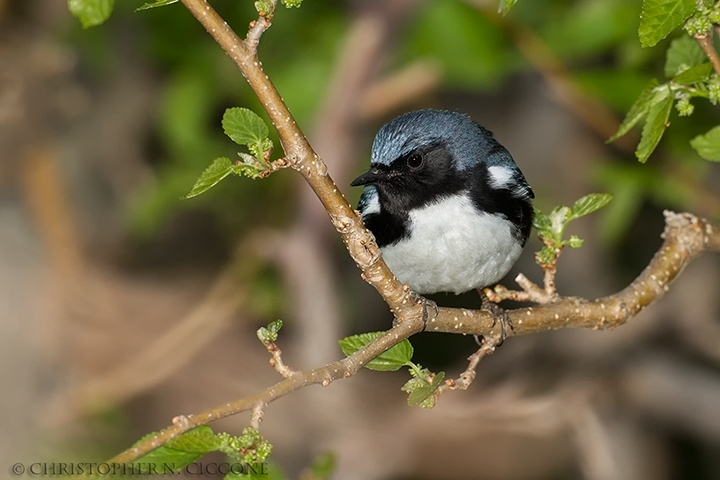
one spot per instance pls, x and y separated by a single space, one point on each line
423 395
545 256
559 217
158 3
638 110
198 440
708 145
694 74
574 241
91 12
389 361
660 17
505 6
269 334
590 203
244 126
292 3
274 327
654 128
684 52
541 221
179 452
219 169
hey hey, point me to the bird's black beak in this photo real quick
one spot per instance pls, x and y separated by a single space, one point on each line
371 176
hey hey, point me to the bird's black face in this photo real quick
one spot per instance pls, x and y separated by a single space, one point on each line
414 179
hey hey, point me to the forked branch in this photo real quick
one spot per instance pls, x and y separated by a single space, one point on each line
686 236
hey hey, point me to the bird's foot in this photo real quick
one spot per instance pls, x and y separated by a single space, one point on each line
499 315
427 305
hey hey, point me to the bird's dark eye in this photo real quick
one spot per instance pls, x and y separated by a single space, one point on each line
415 160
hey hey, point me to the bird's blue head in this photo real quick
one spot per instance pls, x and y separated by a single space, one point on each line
467 142
424 156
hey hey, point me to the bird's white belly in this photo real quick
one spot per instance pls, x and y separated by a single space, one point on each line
453 248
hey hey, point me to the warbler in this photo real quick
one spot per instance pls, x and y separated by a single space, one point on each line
448 206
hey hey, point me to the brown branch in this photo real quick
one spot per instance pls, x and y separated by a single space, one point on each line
277 362
300 155
705 40
324 376
467 377
686 236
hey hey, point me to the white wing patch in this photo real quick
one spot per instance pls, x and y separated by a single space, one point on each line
500 176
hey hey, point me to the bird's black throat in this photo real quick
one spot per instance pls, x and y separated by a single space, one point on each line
403 189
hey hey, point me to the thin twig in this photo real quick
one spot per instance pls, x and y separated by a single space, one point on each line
706 43
324 376
467 377
277 362
686 236
258 412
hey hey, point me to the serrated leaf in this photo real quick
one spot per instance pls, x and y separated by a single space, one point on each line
389 361
505 6
638 110
91 12
708 145
660 17
244 126
683 51
424 393
179 452
694 74
654 128
219 169
198 440
590 203
541 221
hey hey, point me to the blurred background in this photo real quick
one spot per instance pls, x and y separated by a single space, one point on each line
122 305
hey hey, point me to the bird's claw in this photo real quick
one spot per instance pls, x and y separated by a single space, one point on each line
499 314
425 304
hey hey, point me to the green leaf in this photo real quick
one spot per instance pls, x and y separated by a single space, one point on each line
574 241
590 203
91 12
219 169
158 3
389 361
652 132
660 17
244 126
423 395
505 6
179 452
683 52
638 110
198 440
541 221
694 74
708 145
269 334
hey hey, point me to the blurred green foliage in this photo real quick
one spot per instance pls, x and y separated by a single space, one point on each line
597 40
